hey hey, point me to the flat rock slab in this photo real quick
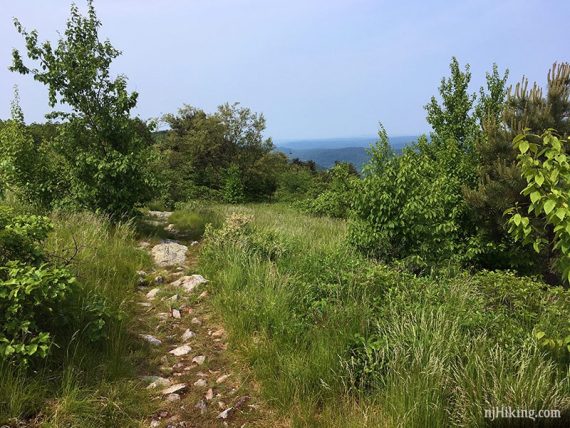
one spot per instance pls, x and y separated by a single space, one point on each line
163 215
181 350
189 283
169 254
174 388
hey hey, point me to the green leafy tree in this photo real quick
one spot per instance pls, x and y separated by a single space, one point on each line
455 118
233 186
30 167
107 152
545 165
500 182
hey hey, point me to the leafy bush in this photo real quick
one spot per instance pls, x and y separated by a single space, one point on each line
336 198
545 166
407 206
31 291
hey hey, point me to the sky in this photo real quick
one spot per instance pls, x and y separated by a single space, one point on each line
315 68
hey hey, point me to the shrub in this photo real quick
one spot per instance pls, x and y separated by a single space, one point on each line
31 290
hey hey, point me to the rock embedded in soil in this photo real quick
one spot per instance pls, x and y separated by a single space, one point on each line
162 215
174 388
210 394
200 383
169 254
173 397
226 413
188 335
152 293
189 282
161 382
199 359
181 350
222 379
175 313
202 406
151 339
218 333
196 321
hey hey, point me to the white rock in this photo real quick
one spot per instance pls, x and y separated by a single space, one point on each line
175 313
202 406
226 413
151 339
222 379
210 394
152 293
163 215
188 335
200 383
169 254
189 282
218 333
161 382
196 321
199 359
181 350
174 388
173 397
154 423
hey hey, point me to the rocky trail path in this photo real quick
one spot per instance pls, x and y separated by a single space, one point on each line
194 379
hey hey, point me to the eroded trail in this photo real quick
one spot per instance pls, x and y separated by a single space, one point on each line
191 375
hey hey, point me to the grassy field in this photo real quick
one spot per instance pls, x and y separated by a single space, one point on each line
88 379
338 340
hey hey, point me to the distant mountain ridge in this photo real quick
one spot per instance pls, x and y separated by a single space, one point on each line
326 151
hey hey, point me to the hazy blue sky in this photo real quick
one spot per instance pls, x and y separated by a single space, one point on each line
316 68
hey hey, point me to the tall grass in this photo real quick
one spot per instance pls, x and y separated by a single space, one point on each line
86 379
338 340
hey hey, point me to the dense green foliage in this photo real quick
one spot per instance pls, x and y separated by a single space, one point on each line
546 169
31 290
106 152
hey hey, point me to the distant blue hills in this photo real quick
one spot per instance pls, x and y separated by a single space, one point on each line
326 151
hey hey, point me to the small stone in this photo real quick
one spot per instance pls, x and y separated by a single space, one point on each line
154 423
193 243
196 321
226 413
174 298
173 397
201 374
161 382
241 401
222 378
162 315
152 293
175 313
210 394
203 295
199 359
179 269
141 273
181 350
188 335
200 383
144 304
159 280
189 283
174 388
218 333
202 406
151 339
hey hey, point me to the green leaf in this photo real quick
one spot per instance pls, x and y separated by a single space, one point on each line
549 206
523 146
535 196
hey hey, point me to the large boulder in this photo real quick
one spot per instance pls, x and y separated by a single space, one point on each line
169 254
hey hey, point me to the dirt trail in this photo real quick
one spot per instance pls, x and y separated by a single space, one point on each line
193 377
